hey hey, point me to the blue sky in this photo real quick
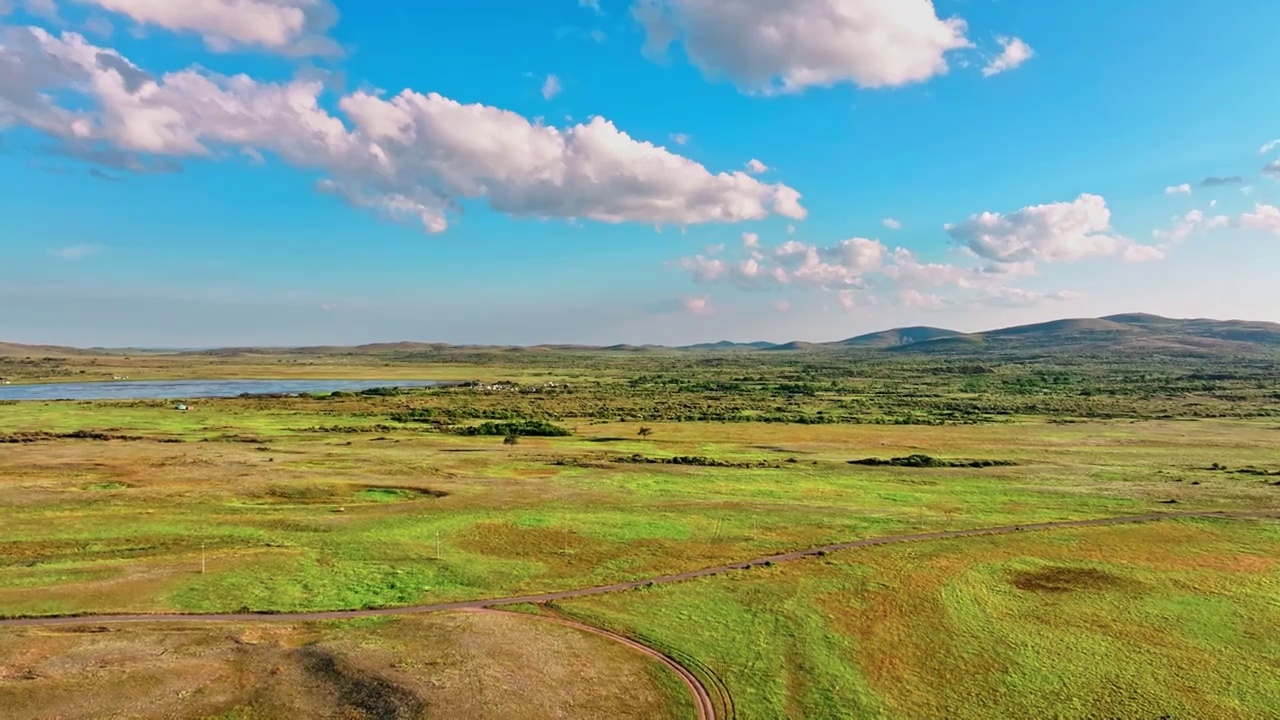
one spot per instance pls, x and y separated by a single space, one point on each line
304 171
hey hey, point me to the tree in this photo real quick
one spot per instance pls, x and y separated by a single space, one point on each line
645 432
511 439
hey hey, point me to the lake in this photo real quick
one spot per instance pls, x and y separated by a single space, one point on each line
189 389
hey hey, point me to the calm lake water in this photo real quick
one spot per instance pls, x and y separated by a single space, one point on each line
188 389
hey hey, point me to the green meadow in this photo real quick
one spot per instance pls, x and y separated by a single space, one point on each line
386 499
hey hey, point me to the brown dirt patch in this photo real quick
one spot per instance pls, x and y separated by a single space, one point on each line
1066 579
448 666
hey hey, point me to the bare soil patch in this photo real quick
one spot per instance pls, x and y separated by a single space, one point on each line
1066 579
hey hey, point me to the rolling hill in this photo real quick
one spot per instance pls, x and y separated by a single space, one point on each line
1127 333
21 351
1130 333
896 337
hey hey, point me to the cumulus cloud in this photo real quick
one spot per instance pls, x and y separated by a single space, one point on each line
1194 221
1004 247
76 252
755 167
1143 253
1055 232
1183 189
292 27
1263 217
847 299
699 305
1013 297
892 224
915 300
861 272
408 156
1015 53
784 47
680 138
1214 181
551 87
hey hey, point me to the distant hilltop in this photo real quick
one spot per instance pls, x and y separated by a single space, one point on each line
1128 332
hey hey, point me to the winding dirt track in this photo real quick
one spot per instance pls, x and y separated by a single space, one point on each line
706 708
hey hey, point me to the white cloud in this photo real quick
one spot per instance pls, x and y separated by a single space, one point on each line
1056 232
44 9
76 252
1020 298
699 305
755 167
592 5
293 27
551 87
1194 221
770 47
866 270
1014 54
915 300
704 269
408 156
680 138
847 299
750 239
1183 189
1143 253
99 26
1263 217
892 224
1269 147
1272 170
715 249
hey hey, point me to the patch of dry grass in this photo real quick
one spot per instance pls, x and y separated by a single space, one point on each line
460 666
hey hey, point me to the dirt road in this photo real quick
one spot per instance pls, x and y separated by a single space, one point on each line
706 709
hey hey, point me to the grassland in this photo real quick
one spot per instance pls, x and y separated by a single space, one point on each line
358 501
1174 619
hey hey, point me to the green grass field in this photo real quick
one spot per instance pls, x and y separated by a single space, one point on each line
1175 619
317 504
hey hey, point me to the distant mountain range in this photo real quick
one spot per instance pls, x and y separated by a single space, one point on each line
1130 332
